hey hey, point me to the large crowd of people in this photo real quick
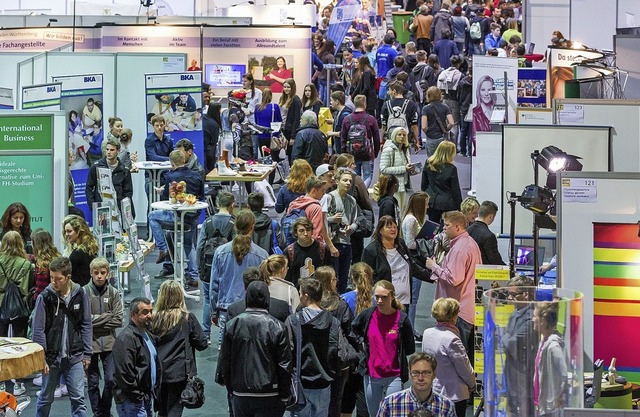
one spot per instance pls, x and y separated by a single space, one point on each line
316 311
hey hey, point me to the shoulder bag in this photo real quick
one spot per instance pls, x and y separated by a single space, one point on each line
192 395
443 127
297 400
278 141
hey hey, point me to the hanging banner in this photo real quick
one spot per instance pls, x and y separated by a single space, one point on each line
26 165
348 13
178 98
491 103
82 101
41 97
532 87
6 98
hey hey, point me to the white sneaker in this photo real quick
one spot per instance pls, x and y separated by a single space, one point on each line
19 389
37 381
63 389
56 394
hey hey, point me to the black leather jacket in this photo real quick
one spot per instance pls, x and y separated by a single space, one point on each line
255 358
132 361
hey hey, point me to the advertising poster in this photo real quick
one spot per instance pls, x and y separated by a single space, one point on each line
561 70
44 39
489 102
532 87
351 17
164 39
268 54
616 249
6 98
82 101
178 98
26 165
41 97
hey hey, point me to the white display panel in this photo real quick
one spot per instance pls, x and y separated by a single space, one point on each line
624 117
486 167
591 143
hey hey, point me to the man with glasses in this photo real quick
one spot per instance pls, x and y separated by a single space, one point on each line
422 368
520 343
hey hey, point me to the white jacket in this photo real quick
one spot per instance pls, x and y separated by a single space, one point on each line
394 162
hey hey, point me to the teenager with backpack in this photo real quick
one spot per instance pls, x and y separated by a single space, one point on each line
267 233
360 137
400 112
216 231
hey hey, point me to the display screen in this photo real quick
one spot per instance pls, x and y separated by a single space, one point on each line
224 75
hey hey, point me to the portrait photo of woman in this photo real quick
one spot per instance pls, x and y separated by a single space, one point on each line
485 100
279 75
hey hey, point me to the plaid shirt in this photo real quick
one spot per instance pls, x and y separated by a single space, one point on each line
402 403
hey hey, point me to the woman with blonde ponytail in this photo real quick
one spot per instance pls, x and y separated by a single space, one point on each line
387 339
273 270
229 262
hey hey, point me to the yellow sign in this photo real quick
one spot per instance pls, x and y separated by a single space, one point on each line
492 272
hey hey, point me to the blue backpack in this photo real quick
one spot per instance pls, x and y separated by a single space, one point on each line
287 221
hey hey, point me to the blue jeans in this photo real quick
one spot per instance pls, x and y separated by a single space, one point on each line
322 90
101 403
191 270
416 284
375 389
206 309
317 403
222 324
74 377
465 138
256 146
129 409
363 168
156 218
341 265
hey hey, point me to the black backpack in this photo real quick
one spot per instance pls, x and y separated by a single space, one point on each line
358 144
216 237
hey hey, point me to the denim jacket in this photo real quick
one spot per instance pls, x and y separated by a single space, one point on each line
227 286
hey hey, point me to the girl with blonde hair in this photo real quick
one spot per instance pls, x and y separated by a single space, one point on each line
179 335
81 246
440 181
274 270
395 159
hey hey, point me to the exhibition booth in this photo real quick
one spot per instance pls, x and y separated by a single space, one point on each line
134 70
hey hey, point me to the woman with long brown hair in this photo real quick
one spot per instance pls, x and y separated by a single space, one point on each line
291 109
295 184
310 99
81 246
364 82
229 262
387 338
16 217
44 251
179 335
387 204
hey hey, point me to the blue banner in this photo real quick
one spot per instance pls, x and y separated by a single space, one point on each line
342 17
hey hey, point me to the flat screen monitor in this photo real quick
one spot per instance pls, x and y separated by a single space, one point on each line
524 257
224 75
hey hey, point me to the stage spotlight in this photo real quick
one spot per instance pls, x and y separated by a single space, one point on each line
537 199
553 159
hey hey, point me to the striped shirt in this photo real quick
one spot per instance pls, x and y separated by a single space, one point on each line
402 403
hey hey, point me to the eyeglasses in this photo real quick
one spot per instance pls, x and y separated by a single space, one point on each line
424 374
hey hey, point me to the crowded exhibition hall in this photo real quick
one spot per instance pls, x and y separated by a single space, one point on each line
319 208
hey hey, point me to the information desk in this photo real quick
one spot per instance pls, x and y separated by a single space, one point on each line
180 210
242 177
19 358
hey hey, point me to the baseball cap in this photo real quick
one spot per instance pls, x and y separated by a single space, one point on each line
323 169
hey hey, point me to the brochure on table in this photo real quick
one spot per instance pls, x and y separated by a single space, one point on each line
87 128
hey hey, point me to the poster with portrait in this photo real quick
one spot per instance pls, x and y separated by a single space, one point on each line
560 68
532 87
271 70
108 247
82 101
492 103
177 97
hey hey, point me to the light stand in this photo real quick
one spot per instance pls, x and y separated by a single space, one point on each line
512 199
535 232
